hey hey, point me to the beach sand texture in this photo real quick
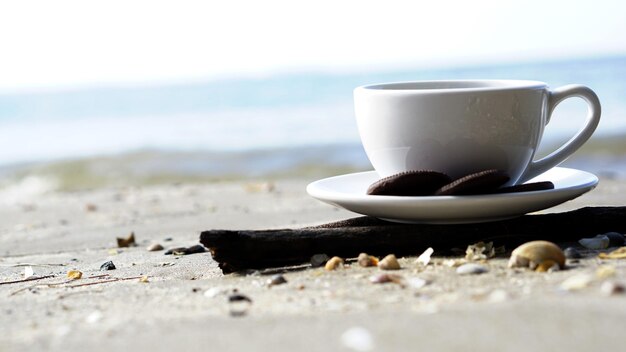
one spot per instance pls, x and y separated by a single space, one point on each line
184 305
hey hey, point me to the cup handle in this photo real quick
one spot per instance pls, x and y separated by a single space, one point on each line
556 96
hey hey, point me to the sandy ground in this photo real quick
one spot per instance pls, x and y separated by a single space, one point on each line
184 305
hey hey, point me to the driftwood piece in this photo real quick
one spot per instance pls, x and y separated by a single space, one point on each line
239 250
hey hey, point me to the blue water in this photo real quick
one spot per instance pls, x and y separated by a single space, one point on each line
277 112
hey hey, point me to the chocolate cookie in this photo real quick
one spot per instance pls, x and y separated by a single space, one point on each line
483 182
526 187
409 183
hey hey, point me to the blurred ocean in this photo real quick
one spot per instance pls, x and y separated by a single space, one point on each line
275 125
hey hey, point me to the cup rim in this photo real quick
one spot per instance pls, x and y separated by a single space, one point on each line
460 85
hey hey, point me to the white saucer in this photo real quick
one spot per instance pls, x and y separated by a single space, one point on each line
349 192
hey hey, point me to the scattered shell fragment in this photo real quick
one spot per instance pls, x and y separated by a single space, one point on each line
616 239
90 207
126 242
275 280
547 266
74 274
531 254
453 263
144 279
334 263
366 260
213 292
260 187
416 282
28 272
385 278
480 251
155 247
619 253
424 258
610 288
471 269
107 266
390 262
577 282
598 242
498 296
94 317
357 338
605 271
572 253
318 260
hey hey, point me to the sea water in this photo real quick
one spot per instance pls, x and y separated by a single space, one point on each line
278 121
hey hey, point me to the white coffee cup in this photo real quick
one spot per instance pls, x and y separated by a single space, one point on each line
466 126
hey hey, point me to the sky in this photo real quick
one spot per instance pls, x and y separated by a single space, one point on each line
56 44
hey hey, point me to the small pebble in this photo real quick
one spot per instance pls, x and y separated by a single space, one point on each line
94 317
498 296
577 282
385 278
334 263
318 260
126 242
154 247
213 292
471 269
107 266
74 274
390 262
616 239
275 280
572 253
357 338
239 304
610 288
598 242
28 272
416 282
366 260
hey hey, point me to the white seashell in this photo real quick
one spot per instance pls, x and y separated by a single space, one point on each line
28 272
471 269
598 242
531 254
424 258
577 282
416 282
610 288
357 338
497 296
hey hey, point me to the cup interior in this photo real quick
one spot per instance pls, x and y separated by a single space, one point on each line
460 85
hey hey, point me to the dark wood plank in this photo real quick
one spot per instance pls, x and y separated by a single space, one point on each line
240 250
